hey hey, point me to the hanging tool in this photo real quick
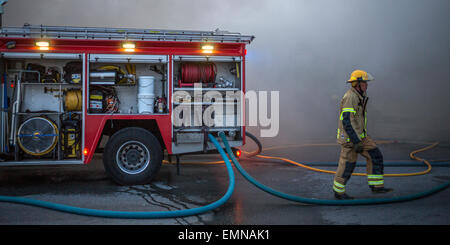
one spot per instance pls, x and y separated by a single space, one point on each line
70 135
73 72
131 69
52 75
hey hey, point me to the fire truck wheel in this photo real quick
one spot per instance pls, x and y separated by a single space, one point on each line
132 156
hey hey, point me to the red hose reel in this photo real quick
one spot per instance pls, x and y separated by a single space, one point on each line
191 73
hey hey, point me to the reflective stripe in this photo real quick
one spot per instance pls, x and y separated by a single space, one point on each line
339 184
375 176
349 109
338 190
346 110
379 182
375 179
338 187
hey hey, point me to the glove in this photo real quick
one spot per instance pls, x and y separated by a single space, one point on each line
358 147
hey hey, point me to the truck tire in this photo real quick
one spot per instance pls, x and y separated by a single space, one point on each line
132 156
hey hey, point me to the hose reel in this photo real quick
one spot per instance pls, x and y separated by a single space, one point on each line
73 100
37 136
198 72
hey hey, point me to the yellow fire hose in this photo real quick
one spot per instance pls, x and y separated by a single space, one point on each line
412 155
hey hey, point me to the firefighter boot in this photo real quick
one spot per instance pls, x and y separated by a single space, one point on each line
380 189
342 196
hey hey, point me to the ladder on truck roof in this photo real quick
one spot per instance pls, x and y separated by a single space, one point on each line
132 34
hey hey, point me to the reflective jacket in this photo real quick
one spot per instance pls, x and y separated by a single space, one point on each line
352 125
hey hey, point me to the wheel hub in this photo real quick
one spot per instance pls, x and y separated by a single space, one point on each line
133 157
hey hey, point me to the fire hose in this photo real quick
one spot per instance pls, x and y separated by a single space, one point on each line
198 72
326 201
221 201
135 214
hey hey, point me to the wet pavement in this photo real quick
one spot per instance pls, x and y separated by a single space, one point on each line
200 184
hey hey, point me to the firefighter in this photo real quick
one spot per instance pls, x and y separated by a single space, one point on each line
353 138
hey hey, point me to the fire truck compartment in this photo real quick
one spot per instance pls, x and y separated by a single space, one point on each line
116 84
42 102
206 87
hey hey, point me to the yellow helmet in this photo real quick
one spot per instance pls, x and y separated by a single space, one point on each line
360 76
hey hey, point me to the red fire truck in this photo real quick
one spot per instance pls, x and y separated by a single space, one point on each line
67 91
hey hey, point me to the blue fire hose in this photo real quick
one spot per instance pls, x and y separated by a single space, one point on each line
134 214
218 203
324 201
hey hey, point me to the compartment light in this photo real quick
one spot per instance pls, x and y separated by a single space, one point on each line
43 45
207 48
128 46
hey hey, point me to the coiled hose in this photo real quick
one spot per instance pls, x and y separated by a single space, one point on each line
133 214
198 72
325 201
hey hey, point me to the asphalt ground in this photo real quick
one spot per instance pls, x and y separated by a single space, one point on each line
200 184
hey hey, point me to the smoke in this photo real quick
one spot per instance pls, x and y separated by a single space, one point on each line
306 50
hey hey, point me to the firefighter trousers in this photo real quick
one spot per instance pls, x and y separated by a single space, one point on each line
347 164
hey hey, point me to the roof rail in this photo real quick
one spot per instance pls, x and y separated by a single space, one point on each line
104 33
